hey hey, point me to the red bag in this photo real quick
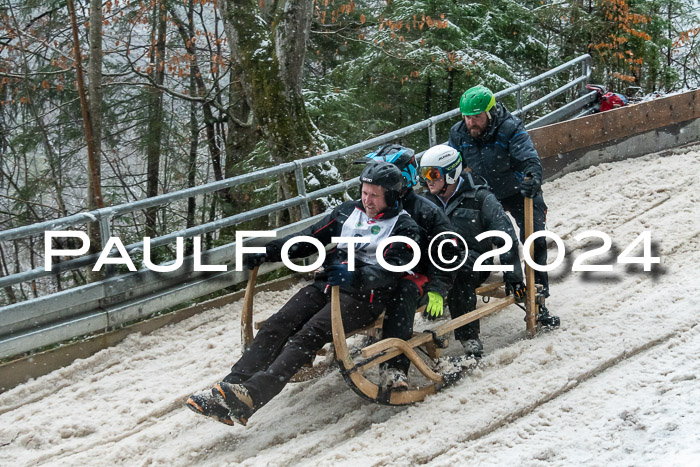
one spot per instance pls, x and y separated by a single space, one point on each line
612 100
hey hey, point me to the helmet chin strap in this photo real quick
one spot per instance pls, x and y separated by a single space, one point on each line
491 114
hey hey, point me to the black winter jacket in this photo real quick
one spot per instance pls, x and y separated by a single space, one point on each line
502 156
473 209
367 277
432 222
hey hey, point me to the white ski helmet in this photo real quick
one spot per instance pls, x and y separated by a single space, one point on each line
441 161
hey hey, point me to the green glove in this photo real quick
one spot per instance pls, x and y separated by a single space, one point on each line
434 308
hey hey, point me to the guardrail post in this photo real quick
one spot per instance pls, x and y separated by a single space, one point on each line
432 134
105 234
584 73
301 189
519 98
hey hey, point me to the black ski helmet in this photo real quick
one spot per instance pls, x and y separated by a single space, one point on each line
402 157
385 175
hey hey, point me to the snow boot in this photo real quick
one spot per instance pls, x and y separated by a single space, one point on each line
454 368
211 405
473 347
238 400
547 320
394 379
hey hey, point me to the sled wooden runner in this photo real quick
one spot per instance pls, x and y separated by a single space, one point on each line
388 348
354 377
247 312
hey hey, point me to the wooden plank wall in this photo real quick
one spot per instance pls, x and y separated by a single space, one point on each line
605 127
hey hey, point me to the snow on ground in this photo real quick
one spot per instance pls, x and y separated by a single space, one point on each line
616 384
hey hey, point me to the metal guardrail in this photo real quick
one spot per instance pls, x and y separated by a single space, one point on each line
115 300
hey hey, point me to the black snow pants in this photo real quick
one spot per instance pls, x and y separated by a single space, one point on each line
399 316
292 336
462 299
516 206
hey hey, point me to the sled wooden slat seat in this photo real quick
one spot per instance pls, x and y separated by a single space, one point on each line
490 288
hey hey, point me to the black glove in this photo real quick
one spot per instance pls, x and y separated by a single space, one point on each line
530 185
471 258
338 274
254 260
518 290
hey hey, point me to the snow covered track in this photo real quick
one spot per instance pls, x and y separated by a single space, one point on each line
616 384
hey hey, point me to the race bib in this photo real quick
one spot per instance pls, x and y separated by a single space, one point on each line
359 224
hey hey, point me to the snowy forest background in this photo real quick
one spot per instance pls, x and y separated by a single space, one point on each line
174 94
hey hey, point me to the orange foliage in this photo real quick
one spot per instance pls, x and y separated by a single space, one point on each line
686 36
624 23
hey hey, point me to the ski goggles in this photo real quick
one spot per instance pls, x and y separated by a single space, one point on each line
432 173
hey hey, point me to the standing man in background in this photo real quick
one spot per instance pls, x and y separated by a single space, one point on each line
495 145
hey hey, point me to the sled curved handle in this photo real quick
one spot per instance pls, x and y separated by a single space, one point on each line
342 353
247 312
353 375
400 344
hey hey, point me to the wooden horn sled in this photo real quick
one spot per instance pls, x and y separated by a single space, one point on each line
354 369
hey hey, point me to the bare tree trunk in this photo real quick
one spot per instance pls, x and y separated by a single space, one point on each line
32 265
155 120
4 271
271 58
95 101
240 142
15 245
209 119
194 135
93 162
94 182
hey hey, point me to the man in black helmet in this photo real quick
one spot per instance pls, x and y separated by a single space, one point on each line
495 145
293 335
426 281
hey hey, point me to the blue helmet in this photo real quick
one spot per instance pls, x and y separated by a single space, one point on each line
401 157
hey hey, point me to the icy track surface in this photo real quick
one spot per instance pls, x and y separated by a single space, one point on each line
617 384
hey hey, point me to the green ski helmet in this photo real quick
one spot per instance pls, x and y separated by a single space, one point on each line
476 100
